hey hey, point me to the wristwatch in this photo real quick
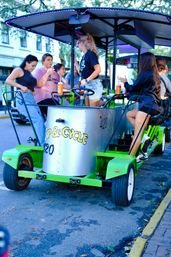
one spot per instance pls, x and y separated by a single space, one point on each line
86 80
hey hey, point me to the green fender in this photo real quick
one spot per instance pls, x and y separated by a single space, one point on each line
11 156
119 166
161 132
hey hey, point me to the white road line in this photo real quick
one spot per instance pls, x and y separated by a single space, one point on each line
2 186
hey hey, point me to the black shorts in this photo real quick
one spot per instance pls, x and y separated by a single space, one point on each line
148 110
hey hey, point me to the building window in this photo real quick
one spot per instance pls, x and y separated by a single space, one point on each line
39 43
48 44
23 39
4 34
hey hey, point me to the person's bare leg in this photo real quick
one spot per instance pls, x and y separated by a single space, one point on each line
139 119
95 102
131 116
87 101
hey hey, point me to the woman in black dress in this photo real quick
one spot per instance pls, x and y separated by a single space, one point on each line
147 88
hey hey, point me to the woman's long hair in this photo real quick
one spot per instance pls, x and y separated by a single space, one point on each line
29 58
89 43
148 63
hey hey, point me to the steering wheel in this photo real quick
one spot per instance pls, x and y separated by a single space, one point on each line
83 91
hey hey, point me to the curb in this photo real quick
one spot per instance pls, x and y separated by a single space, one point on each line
141 241
4 114
4 117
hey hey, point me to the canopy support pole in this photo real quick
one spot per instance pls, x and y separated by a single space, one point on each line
72 58
106 58
114 52
139 52
106 65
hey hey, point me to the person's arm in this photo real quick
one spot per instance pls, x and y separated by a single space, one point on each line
16 73
139 82
76 64
41 80
93 59
67 81
96 72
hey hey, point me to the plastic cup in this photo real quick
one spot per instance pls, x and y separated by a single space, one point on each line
118 89
60 88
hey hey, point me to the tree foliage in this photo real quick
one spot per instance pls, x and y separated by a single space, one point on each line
162 6
9 9
71 3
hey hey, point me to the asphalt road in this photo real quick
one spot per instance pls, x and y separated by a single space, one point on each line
61 220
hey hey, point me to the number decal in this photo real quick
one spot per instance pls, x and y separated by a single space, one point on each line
49 149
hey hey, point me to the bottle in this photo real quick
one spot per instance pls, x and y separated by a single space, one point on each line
60 87
118 89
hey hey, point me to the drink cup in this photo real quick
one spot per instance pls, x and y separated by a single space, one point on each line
60 88
118 89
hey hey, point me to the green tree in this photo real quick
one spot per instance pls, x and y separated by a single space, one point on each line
149 5
71 3
9 8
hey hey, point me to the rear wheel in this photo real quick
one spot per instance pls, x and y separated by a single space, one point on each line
167 134
18 117
20 121
123 188
10 175
161 148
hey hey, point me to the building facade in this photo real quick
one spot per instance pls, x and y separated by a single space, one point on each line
15 45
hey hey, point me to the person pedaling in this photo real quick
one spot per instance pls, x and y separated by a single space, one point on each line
146 89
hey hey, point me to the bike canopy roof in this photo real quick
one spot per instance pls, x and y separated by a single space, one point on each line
135 27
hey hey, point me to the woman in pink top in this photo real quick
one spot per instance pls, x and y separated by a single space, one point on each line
47 78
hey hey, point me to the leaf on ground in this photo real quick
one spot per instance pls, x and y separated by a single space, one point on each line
111 249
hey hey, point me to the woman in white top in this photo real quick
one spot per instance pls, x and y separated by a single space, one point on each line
165 82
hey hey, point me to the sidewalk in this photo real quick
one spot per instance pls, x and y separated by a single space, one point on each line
4 114
155 240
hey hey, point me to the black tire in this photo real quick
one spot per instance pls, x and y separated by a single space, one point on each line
18 117
161 148
123 188
167 135
21 122
10 175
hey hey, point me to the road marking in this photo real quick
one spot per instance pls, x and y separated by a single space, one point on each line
3 187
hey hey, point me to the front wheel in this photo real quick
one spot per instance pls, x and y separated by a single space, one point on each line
10 175
123 188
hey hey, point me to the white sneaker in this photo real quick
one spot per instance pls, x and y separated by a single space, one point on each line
142 157
144 138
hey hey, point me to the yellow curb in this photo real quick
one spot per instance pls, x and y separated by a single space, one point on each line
155 219
4 117
140 242
138 247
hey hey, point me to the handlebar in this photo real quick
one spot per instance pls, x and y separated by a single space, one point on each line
83 91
